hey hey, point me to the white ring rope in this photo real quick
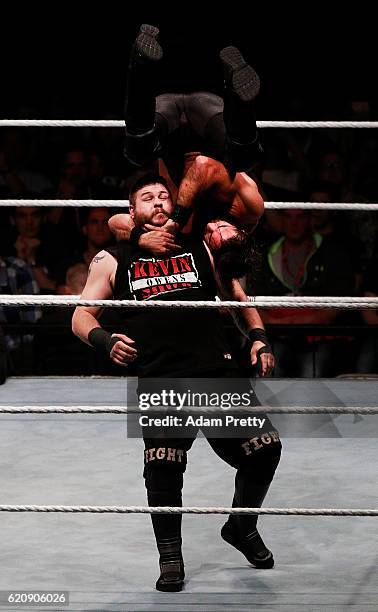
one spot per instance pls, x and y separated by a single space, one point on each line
51 409
119 123
321 299
348 303
90 203
320 206
193 510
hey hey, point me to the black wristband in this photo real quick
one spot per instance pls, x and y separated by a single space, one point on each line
135 234
102 340
181 215
258 334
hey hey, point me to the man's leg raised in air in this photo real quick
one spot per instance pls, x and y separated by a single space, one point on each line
241 88
142 140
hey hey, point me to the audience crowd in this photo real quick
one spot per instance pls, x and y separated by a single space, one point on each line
310 253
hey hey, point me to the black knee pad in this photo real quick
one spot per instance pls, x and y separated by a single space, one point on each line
142 149
162 479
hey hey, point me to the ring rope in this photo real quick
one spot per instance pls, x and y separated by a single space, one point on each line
312 298
348 303
119 123
51 409
321 205
90 203
193 510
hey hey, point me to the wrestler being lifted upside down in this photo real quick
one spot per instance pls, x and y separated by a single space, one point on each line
204 146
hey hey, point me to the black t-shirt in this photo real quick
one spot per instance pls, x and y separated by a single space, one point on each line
171 341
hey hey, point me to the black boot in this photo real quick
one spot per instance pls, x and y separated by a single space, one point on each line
239 77
171 563
146 46
165 490
252 546
240 530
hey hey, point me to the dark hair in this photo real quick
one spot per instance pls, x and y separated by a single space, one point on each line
146 179
236 257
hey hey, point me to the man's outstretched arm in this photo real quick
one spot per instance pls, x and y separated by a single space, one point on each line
249 322
85 323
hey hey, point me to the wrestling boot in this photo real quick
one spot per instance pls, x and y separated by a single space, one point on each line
171 563
239 76
240 530
146 46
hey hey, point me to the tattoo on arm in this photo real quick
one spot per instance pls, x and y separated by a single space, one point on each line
96 259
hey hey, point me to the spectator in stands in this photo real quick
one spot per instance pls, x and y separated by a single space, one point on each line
102 181
76 277
38 248
11 185
96 235
331 169
96 230
73 184
82 177
302 262
17 148
16 278
336 226
57 350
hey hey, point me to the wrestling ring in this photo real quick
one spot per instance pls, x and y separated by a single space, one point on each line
75 456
